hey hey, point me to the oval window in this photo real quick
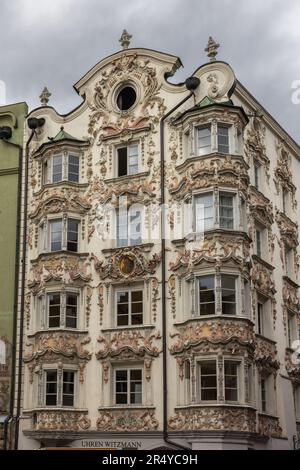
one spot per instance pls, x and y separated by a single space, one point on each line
126 98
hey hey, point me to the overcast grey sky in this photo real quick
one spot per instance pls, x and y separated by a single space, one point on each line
54 42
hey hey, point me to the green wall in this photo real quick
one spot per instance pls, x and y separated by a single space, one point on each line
9 162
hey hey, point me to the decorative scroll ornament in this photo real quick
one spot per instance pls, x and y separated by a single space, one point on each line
128 344
125 420
126 263
62 421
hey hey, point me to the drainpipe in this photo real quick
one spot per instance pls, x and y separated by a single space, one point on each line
191 84
33 124
13 363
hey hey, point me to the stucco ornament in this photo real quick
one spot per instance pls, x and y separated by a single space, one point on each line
129 344
62 421
126 263
128 68
125 420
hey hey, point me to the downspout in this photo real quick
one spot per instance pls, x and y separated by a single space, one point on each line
191 83
33 124
16 286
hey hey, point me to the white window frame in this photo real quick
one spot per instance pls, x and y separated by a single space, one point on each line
43 308
214 138
218 291
64 238
129 224
128 369
59 387
48 171
216 209
138 155
239 361
129 291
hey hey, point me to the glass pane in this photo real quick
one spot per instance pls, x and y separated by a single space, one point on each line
51 376
68 400
51 400
137 296
137 319
136 375
122 161
207 296
228 282
208 368
51 387
208 394
121 375
71 299
121 399
135 398
209 381
71 322
137 307
122 309
206 282
228 309
231 394
207 309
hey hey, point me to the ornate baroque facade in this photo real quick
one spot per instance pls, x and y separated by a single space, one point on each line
94 331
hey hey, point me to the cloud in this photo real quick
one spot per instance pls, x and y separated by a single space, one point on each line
54 42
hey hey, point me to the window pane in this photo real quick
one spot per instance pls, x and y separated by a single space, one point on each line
51 388
54 310
135 227
68 388
204 212
72 242
122 228
57 168
208 383
121 387
56 234
137 296
122 161
231 380
73 168
206 282
71 310
204 141
223 139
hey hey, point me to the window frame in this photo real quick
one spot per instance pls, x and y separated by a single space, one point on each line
60 386
128 156
64 240
62 308
128 241
216 217
128 369
48 167
218 293
129 291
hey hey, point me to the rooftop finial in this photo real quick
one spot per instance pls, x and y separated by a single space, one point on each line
44 96
125 39
212 49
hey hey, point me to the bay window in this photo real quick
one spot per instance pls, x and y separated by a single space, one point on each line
206 139
210 295
217 210
62 167
128 386
61 309
59 388
211 388
63 234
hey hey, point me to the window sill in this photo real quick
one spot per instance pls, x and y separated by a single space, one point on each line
124 328
130 407
58 330
217 317
55 408
215 404
61 253
146 247
60 183
127 178
194 158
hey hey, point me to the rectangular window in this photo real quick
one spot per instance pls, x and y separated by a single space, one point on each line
56 235
54 310
128 386
208 381
57 168
72 235
71 310
258 235
128 160
68 388
231 380
289 261
129 227
206 295
260 318
129 308
204 141
257 176
228 284
263 395
51 388
223 139
73 168
226 211
291 329
204 212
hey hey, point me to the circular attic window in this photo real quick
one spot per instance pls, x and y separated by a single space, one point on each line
126 98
